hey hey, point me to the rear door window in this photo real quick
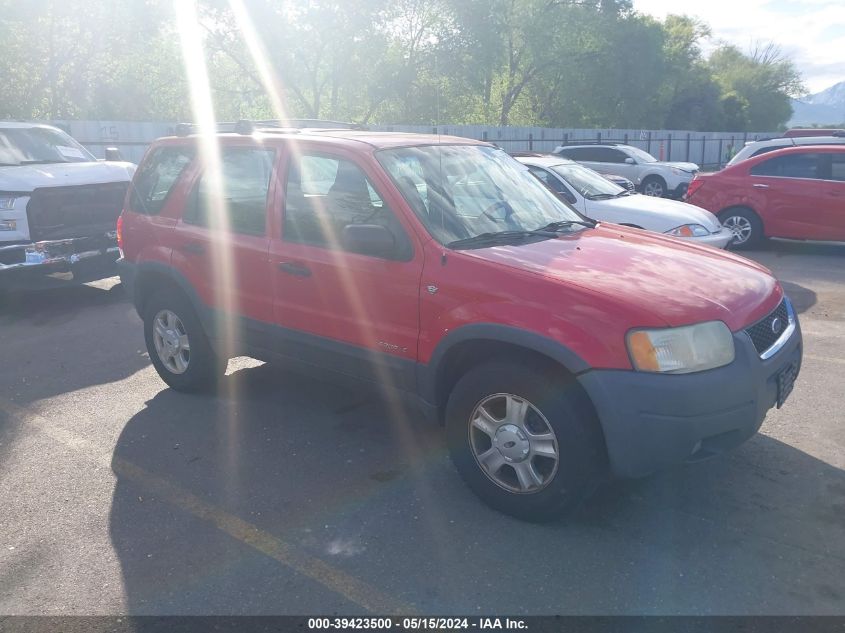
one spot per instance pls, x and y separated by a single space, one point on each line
802 165
239 202
156 177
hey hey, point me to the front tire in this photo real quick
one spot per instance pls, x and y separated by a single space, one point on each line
745 225
177 344
654 186
524 439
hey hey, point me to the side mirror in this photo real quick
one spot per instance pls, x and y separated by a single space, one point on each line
112 153
630 161
369 239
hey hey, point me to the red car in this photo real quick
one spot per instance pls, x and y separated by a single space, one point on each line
796 193
554 349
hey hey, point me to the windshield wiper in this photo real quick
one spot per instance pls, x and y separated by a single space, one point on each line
498 237
42 162
565 224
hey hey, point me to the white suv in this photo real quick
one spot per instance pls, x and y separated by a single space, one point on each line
755 148
651 176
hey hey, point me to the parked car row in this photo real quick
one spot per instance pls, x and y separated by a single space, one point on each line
553 348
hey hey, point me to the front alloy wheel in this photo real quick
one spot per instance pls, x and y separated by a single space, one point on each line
513 443
525 438
654 187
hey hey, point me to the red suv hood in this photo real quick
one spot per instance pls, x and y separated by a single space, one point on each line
678 282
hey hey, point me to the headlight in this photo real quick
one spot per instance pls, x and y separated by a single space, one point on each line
7 202
689 230
682 350
8 225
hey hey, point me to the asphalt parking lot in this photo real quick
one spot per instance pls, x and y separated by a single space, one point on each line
287 495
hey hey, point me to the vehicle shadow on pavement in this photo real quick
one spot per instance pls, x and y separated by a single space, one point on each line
54 305
84 336
289 495
802 298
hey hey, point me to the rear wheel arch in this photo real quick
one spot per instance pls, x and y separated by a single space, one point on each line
153 277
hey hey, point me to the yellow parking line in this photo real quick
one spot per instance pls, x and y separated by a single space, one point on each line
357 591
826 359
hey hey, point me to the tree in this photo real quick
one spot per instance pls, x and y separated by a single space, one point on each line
759 85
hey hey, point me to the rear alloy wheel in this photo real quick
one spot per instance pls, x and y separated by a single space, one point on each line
177 344
745 226
171 342
525 439
654 186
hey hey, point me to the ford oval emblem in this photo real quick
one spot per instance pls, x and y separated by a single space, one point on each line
777 325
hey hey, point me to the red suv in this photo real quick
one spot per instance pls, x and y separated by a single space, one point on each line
796 193
554 349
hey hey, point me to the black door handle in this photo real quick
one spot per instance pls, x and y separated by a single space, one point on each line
295 269
192 248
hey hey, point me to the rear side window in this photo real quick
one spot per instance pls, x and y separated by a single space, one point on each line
156 177
790 166
609 155
581 153
241 197
766 150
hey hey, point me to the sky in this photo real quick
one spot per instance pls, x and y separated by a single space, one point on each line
810 32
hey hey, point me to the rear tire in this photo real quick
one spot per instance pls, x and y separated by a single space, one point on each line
177 344
745 225
520 476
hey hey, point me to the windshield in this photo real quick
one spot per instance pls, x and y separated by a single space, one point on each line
39 145
463 191
640 155
587 182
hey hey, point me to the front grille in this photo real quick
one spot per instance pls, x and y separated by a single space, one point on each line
57 213
762 334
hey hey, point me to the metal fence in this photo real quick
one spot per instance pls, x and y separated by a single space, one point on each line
710 150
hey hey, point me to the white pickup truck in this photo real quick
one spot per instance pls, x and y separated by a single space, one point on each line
58 206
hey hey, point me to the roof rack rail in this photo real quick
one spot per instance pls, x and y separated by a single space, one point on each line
247 127
577 141
326 124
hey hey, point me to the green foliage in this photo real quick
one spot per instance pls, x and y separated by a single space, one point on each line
562 63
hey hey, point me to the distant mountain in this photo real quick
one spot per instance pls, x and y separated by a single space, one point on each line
823 108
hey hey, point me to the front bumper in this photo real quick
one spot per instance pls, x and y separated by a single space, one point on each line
717 240
651 421
87 258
